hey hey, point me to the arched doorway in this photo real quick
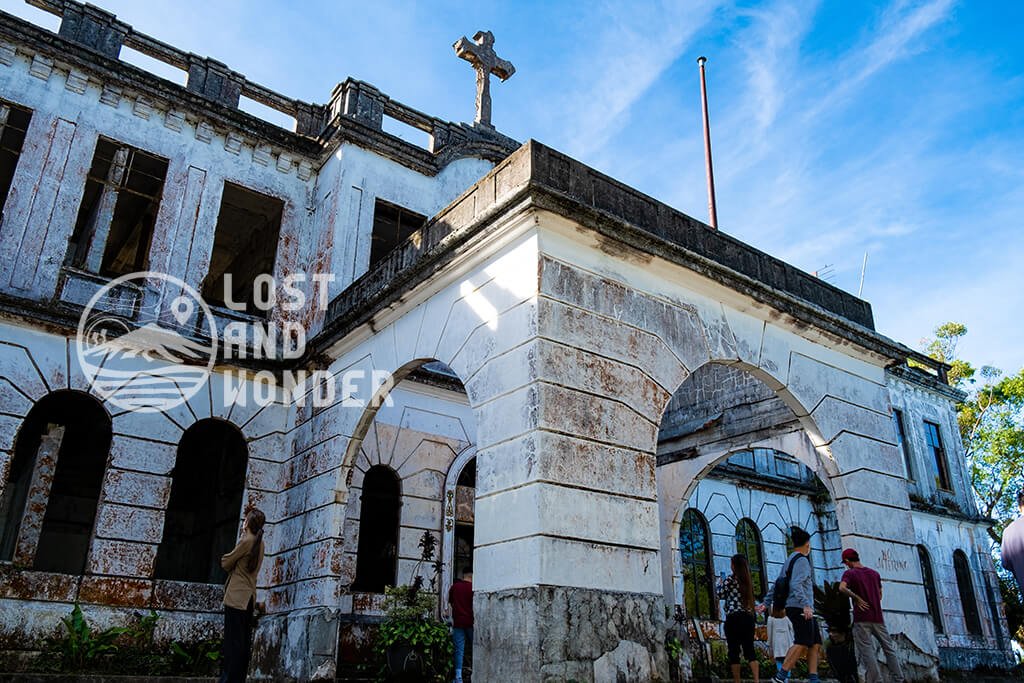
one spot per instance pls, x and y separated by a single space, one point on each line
205 506
733 452
459 516
414 441
751 510
49 504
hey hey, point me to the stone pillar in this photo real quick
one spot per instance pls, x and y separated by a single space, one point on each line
567 576
214 80
93 28
44 468
360 101
309 118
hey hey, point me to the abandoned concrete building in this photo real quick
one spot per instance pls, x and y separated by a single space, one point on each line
594 398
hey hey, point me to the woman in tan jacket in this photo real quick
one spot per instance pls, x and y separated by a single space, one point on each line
242 565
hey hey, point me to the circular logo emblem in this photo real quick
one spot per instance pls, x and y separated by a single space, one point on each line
140 353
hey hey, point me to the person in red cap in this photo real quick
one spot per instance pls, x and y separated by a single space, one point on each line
864 586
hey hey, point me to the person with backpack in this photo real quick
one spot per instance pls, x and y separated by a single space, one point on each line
795 590
738 592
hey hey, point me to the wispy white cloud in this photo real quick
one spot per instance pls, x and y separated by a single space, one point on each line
895 37
771 51
634 45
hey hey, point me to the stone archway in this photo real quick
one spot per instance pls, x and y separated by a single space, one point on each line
669 323
449 570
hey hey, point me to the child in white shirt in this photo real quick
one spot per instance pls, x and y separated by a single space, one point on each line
780 636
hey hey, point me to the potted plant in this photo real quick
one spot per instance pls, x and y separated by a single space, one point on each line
412 643
834 608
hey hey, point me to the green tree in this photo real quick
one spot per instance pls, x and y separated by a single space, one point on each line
943 348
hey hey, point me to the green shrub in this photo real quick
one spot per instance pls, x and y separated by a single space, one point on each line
79 646
128 650
199 658
410 618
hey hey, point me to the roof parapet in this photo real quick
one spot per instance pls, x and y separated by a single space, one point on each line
539 177
101 32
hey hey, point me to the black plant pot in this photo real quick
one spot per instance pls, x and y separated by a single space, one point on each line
842 660
406 663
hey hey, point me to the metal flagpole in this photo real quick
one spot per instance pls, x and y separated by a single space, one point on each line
712 211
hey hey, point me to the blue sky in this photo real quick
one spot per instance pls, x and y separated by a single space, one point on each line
839 128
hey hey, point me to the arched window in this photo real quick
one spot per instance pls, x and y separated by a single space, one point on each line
930 593
377 558
205 507
965 586
748 544
60 457
695 552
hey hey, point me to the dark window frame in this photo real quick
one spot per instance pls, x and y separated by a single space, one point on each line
119 175
901 437
968 598
374 570
271 208
392 226
63 542
12 143
749 544
695 556
930 591
943 482
197 532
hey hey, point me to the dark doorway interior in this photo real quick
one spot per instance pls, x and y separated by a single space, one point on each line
205 507
63 545
377 558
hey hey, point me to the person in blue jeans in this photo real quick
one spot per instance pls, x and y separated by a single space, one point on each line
460 597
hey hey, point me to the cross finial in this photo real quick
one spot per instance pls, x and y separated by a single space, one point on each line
480 53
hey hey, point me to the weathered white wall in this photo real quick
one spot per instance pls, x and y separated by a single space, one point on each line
40 212
135 490
919 404
350 182
328 212
838 392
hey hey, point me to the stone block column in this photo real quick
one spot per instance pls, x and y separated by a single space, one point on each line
853 419
567 574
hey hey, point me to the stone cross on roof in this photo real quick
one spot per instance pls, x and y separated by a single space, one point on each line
480 53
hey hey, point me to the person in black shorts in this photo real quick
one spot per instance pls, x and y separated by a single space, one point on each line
800 609
738 592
